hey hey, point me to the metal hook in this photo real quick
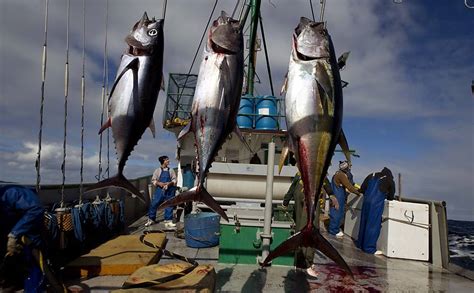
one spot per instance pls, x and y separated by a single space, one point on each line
412 218
467 5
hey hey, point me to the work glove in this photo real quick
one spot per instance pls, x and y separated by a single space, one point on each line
13 247
334 202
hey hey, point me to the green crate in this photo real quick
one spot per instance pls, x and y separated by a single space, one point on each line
242 247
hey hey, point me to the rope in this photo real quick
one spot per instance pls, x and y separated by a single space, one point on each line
43 79
235 8
103 90
194 59
266 55
83 94
323 7
312 10
165 3
66 93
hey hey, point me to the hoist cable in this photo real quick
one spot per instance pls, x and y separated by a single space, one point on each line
235 8
98 177
312 10
165 3
323 7
194 59
43 79
266 54
83 94
66 93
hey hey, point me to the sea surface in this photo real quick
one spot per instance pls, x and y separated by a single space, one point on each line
461 243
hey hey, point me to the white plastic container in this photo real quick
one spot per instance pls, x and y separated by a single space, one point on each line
352 218
405 230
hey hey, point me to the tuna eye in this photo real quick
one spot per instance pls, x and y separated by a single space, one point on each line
152 32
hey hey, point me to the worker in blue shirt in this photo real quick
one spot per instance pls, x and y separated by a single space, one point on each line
376 188
21 217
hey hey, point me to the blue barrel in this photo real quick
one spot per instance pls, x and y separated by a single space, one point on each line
266 109
245 116
188 177
201 229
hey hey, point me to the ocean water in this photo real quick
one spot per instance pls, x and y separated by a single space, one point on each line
461 243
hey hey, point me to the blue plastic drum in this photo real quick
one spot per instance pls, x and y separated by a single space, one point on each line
202 229
245 116
266 109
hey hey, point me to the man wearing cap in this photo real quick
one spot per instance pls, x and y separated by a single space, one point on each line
339 183
164 179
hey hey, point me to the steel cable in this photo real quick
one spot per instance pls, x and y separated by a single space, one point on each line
43 80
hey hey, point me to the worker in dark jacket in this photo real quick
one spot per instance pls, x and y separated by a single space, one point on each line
21 217
376 188
341 181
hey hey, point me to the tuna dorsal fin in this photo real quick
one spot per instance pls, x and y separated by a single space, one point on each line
185 131
152 128
323 79
162 82
133 65
341 61
344 145
106 125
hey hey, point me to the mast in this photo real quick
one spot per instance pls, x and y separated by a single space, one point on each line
255 12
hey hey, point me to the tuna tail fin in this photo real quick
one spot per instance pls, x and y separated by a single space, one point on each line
118 181
309 237
196 194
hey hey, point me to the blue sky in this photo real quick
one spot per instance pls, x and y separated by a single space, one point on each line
408 105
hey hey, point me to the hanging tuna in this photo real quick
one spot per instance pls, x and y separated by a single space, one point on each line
314 115
134 94
216 103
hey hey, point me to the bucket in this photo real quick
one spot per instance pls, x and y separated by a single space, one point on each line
201 229
267 113
245 115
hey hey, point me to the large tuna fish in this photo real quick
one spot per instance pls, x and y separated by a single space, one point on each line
216 103
314 115
134 94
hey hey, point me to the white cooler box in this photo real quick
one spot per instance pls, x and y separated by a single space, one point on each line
405 230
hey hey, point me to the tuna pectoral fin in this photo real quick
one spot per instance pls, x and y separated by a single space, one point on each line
309 238
184 131
344 145
106 125
152 128
118 181
283 155
200 195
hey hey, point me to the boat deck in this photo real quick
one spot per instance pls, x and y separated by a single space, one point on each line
371 273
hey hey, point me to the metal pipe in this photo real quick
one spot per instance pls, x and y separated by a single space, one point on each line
267 222
399 186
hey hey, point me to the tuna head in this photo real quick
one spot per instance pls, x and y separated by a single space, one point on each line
225 35
145 36
311 40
